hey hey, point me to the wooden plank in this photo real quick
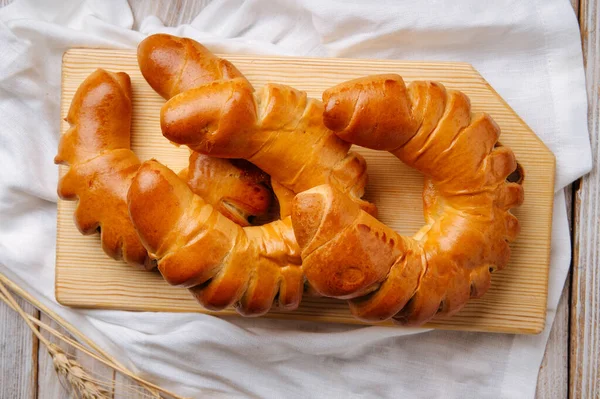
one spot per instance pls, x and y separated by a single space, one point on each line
18 353
515 303
49 385
171 13
585 304
553 379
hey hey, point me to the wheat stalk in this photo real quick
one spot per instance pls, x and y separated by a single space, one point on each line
81 383
73 376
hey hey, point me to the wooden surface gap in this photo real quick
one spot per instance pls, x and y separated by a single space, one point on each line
571 214
35 357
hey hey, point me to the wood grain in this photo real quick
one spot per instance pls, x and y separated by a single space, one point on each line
18 353
585 304
171 13
553 379
515 303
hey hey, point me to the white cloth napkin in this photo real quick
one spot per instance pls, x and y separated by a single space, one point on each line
528 50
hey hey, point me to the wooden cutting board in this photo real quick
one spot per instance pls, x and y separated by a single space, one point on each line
516 302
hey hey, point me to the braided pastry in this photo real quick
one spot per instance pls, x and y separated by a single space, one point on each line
172 65
471 183
236 188
261 261
266 255
196 247
278 129
101 164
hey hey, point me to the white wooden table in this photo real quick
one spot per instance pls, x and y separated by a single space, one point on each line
571 366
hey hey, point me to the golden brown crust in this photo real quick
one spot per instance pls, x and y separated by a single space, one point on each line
385 125
101 165
172 65
226 107
196 247
236 188
278 129
244 268
467 201
284 196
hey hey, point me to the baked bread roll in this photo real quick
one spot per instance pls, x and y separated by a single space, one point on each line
278 129
235 187
198 248
172 65
101 164
238 189
471 183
